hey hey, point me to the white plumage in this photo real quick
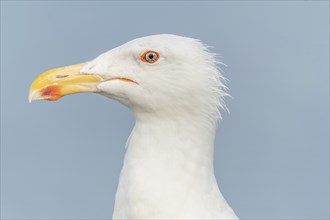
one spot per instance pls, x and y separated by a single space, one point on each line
168 168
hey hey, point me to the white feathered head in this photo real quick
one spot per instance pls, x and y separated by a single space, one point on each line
161 75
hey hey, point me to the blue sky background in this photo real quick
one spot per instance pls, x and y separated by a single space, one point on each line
62 159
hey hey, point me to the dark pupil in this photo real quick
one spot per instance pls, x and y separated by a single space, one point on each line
151 56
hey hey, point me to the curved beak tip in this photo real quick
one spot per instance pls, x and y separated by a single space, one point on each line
31 96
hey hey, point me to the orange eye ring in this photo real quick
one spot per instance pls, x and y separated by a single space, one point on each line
149 56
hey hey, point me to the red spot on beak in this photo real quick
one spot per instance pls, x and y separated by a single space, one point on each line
51 93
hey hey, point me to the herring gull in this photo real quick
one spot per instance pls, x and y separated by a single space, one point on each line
174 87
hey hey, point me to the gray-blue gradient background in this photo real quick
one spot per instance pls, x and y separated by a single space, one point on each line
62 159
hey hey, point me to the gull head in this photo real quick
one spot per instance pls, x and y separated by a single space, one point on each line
155 75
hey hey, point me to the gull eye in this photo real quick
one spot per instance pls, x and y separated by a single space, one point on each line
150 56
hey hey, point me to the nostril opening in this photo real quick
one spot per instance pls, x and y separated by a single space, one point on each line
61 76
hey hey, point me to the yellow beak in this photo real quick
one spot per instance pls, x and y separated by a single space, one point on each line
56 83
